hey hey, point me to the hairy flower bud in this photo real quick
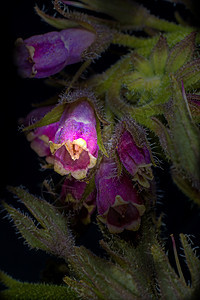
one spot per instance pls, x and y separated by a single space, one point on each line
118 203
72 194
39 137
47 54
75 148
136 159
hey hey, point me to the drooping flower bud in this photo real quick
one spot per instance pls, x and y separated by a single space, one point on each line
44 55
135 157
72 194
75 148
118 203
40 137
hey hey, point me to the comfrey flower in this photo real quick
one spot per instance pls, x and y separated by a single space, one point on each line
118 204
135 157
75 148
72 193
40 137
44 55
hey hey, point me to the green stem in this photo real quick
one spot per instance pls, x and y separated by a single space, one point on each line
161 25
133 41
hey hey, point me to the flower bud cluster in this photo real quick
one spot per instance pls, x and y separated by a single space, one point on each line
70 146
44 55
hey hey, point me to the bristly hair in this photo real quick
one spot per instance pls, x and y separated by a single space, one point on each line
104 34
87 94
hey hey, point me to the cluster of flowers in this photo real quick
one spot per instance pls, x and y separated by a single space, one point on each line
70 145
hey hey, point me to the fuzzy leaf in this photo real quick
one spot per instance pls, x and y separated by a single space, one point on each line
54 237
159 55
193 263
185 134
136 260
181 53
26 291
106 278
27 228
51 117
171 286
82 289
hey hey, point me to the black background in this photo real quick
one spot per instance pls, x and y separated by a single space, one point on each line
19 164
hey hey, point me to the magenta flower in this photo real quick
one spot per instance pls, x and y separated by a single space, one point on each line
75 148
118 203
136 159
71 195
40 136
47 54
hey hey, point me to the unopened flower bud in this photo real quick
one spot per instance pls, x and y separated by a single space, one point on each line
75 148
39 137
118 203
72 194
136 159
44 55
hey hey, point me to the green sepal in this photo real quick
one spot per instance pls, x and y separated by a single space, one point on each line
159 55
142 65
89 188
181 53
99 138
129 14
165 138
34 291
194 105
59 23
185 186
189 74
52 116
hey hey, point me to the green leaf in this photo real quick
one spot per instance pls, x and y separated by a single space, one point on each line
51 117
34 291
107 280
170 285
27 228
54 236
185 135
135 257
